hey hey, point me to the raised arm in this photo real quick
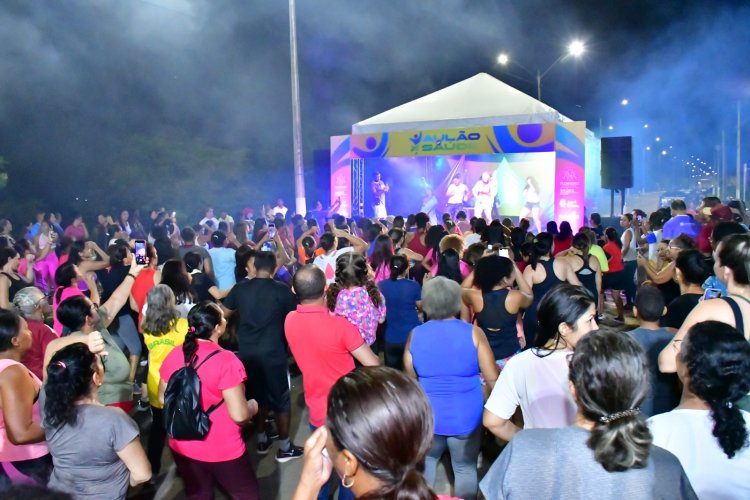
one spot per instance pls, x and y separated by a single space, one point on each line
121 294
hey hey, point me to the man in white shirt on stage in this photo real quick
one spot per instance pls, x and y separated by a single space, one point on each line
280 209
484 195
379 188
457 194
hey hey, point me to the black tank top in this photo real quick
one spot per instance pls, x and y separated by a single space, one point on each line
498 324
550 281
587 277
15 285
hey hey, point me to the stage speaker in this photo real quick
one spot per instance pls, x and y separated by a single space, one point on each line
617 162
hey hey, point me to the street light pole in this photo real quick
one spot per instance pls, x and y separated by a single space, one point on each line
538 86
299 168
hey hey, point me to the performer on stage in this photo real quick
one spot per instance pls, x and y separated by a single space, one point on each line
379 188
531 205
484 196
457 194
429 204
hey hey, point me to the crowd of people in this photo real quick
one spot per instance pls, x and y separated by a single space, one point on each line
414 339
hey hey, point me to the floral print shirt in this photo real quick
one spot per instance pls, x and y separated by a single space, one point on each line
356 305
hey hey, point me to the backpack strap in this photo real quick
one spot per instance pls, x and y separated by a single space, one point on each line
738 321
213 407
207 358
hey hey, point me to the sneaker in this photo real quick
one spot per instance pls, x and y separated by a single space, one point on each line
263 447
142 405
137 389
290 454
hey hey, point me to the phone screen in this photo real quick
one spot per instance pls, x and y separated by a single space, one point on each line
711 293
503 252
271 230
140 252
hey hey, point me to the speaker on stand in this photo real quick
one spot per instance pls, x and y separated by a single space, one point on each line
617 167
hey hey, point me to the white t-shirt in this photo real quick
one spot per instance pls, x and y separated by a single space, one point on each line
328 263
214 220
471 239
277 210
456 194
688 435
539 386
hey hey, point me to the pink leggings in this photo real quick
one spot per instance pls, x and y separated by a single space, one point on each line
45 272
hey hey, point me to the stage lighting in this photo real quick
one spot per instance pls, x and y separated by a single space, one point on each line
624 102
664 152
503 59
658 139
576 48
648 148
645 125
611 127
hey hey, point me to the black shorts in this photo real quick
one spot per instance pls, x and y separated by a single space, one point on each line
267 382
613 281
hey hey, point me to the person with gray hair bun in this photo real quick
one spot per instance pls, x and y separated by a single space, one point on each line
608 450
446 355
33 306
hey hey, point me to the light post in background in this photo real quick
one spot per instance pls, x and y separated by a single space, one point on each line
575 49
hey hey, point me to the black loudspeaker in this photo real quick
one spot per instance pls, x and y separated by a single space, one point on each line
617 162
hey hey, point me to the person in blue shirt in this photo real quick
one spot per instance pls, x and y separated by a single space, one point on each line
403 297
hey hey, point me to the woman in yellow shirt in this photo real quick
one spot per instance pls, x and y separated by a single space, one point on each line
163 329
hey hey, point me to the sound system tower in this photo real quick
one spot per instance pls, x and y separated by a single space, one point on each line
617 163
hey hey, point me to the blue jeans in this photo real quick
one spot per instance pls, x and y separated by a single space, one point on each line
344 493
463 451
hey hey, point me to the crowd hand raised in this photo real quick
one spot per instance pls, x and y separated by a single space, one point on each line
96 344
317 467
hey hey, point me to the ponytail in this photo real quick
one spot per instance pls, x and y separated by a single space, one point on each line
203 320
398 265
611 377
541 247
717 357
69 376
411 486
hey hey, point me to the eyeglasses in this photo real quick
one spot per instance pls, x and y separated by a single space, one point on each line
41 302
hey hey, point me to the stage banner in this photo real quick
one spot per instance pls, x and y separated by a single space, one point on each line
570 173
341 174
524 138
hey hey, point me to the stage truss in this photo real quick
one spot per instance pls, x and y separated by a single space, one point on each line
358 188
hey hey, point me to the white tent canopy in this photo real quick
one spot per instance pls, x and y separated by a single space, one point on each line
481 100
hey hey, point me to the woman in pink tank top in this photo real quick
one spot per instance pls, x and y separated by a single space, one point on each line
23 452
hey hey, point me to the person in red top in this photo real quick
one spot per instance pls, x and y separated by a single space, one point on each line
32 305
323 345
221 456
145 281
563 239
614 279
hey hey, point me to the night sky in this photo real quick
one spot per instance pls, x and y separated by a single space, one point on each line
99 89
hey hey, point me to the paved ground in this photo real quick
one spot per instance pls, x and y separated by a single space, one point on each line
277 481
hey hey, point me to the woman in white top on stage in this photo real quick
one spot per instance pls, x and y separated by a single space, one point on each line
531 203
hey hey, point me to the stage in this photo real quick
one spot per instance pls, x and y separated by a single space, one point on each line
532 170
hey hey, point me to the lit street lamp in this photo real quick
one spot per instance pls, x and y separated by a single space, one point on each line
576 49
